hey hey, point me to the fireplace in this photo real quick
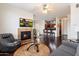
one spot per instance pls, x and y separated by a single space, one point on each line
25 35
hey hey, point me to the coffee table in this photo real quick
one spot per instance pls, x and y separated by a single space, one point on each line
22 51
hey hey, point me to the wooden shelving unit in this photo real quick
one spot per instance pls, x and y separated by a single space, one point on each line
50 27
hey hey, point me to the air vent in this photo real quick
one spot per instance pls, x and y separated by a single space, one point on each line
77 5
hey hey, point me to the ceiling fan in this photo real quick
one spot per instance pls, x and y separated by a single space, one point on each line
46 8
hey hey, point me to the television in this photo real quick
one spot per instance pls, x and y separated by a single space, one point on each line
25 22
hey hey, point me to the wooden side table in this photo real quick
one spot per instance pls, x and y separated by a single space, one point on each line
22 51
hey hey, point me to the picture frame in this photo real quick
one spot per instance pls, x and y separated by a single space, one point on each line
23 22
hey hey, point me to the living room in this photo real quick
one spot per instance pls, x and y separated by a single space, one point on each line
39 29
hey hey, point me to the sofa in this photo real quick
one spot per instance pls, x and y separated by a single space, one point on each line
8 43
67 48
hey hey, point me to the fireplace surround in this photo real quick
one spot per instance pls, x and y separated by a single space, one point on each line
25 33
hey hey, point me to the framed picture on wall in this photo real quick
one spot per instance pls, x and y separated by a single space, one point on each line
23 22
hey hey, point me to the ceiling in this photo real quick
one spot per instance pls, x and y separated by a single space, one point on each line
55 9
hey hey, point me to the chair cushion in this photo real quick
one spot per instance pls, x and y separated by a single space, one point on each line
59 52
8 37
70 44
68 49
5 36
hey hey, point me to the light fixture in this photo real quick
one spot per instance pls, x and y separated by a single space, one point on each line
45 8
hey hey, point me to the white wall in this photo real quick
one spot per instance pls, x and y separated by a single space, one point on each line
9 18
65 24
74 23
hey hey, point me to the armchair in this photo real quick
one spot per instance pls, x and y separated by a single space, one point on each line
8 43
